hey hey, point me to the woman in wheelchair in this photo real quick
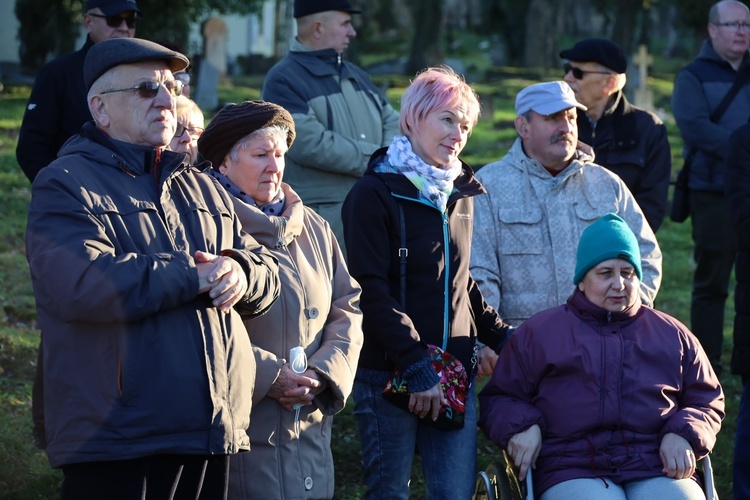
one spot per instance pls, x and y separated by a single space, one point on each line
604 397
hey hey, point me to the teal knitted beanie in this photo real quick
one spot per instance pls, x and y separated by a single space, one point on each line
607 238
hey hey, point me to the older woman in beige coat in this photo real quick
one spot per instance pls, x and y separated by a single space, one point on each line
318 309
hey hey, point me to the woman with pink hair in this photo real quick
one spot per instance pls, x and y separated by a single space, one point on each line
408 228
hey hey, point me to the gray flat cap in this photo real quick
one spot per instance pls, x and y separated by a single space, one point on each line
110 53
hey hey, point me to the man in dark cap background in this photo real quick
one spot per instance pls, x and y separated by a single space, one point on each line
720 71
630 141
57 106
340 116
138 263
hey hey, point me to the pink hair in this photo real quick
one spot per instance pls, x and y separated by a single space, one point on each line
434 88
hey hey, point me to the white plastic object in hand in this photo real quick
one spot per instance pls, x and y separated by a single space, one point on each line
298 364
298 360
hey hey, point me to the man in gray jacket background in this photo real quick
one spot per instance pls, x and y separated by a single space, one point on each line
699 89
540 197
340 116
137 263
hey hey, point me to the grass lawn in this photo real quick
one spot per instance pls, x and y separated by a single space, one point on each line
24 472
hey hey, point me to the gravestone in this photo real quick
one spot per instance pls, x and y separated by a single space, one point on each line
644 97
213 63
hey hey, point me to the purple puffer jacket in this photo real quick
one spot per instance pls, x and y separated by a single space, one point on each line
604 388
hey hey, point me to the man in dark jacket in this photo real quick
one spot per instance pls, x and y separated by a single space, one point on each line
57 107
340 116
137 262
698 90
628 140
738 200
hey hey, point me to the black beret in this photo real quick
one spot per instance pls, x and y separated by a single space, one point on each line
598 50
304 8
115 51
235 121
112 7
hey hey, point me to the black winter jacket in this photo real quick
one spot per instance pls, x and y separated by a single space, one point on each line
698 90
632 143
56 111
738 199
444 305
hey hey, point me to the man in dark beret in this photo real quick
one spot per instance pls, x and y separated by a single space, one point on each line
57 106
630 141
57 109
138 264
340 116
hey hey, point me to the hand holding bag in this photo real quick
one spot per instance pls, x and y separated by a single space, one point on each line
455 383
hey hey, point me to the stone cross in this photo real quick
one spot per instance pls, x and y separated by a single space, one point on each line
643 95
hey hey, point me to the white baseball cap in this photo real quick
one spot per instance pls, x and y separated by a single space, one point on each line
547 98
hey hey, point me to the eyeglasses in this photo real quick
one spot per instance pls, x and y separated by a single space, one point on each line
579 73
193 132
736 25
116 20
148 90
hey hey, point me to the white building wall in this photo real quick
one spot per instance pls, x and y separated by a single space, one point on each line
9 44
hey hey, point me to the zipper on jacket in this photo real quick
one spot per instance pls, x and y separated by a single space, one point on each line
280 233
446 256
447 280
119 376
123 166
157 164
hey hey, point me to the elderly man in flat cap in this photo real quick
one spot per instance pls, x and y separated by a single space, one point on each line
540 197
138 264
340 116
629 141
57 109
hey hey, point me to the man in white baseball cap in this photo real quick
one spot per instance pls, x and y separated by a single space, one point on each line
540 198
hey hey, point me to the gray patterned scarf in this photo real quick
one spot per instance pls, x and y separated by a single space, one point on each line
435 184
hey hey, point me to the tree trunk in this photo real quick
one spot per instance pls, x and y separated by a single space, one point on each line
425 47
541 36
625 23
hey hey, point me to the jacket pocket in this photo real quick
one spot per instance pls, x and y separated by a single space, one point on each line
522 231
632 157
213 222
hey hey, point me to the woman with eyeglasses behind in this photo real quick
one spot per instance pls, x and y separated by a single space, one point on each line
190 124
184 77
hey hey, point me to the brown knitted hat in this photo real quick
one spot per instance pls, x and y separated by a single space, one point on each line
235 121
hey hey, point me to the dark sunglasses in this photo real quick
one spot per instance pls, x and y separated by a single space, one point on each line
193 132
148 90
579 73
116 20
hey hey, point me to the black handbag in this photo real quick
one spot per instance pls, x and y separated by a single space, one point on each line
680 209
